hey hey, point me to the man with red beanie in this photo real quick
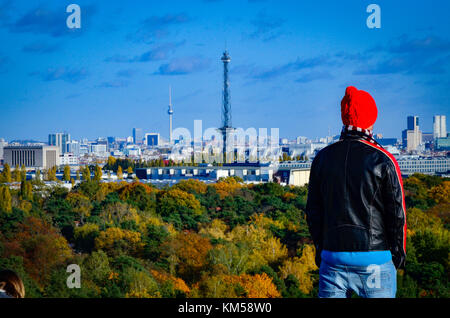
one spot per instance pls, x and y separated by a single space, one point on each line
356 208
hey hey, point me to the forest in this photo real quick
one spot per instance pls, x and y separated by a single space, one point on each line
192 239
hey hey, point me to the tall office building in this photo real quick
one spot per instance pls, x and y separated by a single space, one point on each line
412 136
59 140
439 126
137 135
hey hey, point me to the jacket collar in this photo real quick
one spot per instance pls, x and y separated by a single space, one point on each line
353 132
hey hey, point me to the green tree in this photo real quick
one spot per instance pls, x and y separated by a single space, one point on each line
5 199
26 190
66 176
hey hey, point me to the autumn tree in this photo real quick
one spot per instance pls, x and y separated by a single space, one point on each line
26 190
119 173
300 268
23 172
81 205
85 236
17 176
41 247
115 241
37 176
188 250
66 176
5 199
97 173
86 173
51 174
6 174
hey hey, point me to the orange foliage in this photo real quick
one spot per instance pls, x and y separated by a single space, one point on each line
178 283
255 286
288 196
190 250
41 247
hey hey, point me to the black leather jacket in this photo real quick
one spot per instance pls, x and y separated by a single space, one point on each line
356 200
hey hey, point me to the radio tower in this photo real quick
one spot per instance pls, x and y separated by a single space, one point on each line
226 107
170 112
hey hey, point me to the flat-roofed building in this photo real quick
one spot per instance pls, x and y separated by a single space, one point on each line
39 157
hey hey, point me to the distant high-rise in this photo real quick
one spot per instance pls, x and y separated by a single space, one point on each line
137 135
60 140
170 112
439 126
152 139
73 147
412 136
3 144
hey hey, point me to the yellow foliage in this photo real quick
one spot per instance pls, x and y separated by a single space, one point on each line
141 285
107 239
441 193
216 229
262 221
226 187
181 198
193 185
261 246
300 267
234 286
25 206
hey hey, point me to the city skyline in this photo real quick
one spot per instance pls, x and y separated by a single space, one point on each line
113 74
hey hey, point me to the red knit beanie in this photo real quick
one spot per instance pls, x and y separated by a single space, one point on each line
358 108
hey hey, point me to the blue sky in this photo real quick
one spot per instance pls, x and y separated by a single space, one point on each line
290 64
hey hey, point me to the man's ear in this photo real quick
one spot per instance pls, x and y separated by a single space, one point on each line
2 285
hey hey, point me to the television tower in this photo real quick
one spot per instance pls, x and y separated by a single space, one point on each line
226 107
170 112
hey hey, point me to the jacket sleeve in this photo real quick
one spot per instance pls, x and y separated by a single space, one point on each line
395 213
314 210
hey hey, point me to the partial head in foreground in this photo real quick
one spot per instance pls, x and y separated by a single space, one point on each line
11 283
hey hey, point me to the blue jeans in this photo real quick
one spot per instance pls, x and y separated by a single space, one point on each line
373 281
